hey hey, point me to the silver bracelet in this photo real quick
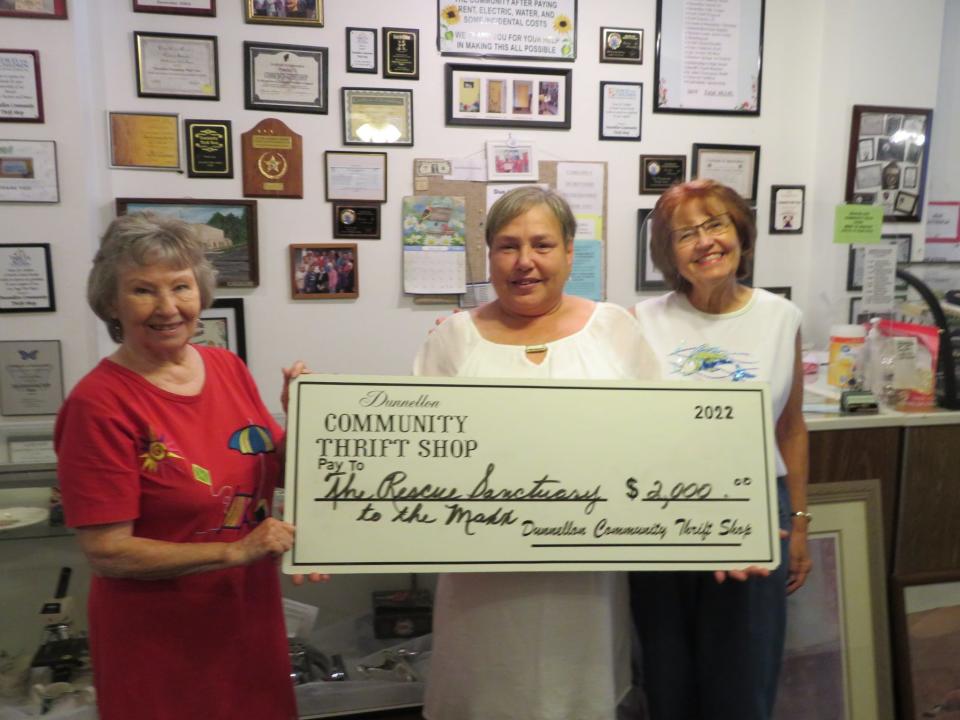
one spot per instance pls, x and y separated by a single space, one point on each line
803 514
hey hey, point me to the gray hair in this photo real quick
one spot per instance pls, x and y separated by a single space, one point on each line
518 201
138 240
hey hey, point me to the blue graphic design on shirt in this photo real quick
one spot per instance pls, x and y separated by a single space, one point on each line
712 363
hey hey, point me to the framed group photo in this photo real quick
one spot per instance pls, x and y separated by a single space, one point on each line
285 78
708 67
228 229
737 166
171 65
222 325
26 278
306 13
28 171
374 116
506 96
888 157
324 271
21 90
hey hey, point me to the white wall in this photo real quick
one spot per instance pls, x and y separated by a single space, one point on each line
820 59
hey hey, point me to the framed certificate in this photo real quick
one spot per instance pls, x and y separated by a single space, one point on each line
621 45
287 78
356 220
39 9
621 107
222 325
401 53
26 278
324 271
786 209
508 96
177 66
21 92
177 7
308 13
31 377
145 141
377 117
709 57
659 172
362 50
209 148
28 171
736 166
355 175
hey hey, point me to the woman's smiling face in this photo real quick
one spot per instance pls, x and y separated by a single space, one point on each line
705 244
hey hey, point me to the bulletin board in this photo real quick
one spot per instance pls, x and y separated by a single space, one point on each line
475 194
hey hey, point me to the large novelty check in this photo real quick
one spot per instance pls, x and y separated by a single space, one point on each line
395 474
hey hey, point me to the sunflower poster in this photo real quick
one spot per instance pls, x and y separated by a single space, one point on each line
535 29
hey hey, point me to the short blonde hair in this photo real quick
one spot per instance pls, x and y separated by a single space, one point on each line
138 240
516 202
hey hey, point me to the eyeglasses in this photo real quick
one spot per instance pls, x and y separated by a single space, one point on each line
711 227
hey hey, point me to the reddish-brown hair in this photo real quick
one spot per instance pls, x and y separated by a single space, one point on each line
710 194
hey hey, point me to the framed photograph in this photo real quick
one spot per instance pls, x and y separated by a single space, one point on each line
21 92
511 160
927 637
28 171
857 316
362 50
693 74
648 277
373 116
308 13
324 271
177 66
783 291
356 220
737 166
621 45
222 325
496 29
285 78
904 243
506 96
889 151
621 107
227 227
26 278
786 209
144 141
177 7
353 175
40 9
837 646
401 53
209 148
659 172
31 377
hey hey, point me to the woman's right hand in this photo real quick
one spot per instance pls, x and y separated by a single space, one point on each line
271 537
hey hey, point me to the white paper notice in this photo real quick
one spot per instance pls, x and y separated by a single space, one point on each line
471 168
942 221
710 50
497 191
582 186
879 277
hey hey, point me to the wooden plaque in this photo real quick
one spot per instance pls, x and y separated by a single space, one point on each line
272 161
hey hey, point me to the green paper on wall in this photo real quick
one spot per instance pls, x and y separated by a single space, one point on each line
860 224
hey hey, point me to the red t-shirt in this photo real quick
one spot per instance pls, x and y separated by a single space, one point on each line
196 468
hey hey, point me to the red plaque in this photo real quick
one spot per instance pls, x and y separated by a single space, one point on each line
272 161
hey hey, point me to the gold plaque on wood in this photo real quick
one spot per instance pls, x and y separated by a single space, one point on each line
272 161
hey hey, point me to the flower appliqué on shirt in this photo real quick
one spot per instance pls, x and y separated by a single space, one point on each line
712 363
155 451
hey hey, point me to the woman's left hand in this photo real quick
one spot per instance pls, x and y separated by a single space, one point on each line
298 368
800 562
